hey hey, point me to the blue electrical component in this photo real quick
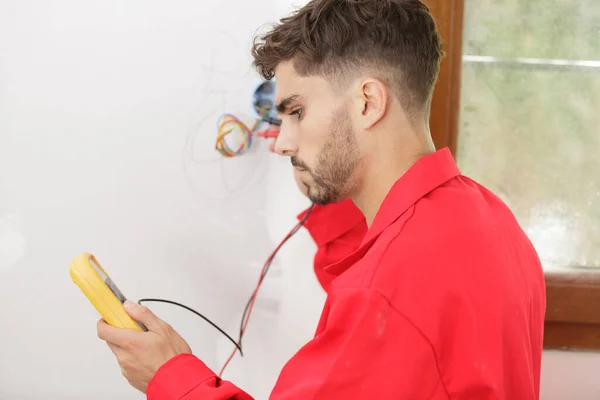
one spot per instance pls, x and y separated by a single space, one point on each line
263 103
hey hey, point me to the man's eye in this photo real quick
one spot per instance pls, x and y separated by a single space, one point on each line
297 112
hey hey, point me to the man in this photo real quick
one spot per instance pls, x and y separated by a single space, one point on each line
444 298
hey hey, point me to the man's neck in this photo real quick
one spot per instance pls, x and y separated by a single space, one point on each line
379 179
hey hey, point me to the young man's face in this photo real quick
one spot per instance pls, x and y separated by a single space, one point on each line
317 134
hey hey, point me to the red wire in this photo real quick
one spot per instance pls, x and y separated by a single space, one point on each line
255 292
268 134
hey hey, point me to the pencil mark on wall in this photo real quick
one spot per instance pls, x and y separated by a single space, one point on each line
214 177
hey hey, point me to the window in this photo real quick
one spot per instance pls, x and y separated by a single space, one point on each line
529 126
518 103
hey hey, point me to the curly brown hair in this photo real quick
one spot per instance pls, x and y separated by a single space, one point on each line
394 40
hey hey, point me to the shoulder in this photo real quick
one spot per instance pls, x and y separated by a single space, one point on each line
459 221
458 240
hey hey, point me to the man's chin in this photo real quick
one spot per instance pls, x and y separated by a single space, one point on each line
320 199
315 198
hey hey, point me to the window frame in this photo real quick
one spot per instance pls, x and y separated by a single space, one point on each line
571 322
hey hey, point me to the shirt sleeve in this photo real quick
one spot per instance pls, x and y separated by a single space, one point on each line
366 350
185 377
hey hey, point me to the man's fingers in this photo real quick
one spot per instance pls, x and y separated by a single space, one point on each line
114 348
117 351
123 338
143 315
124 358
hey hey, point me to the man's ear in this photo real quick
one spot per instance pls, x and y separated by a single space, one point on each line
371 101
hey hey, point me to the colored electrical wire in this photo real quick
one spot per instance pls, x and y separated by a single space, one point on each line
227 124
238 347
250 304
265 270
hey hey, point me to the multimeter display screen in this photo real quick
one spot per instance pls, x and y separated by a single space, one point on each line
111 285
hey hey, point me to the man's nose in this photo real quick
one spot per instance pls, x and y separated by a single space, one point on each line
284 144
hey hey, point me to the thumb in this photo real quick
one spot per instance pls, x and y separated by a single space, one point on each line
142 314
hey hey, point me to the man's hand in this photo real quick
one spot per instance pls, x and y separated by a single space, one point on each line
141 354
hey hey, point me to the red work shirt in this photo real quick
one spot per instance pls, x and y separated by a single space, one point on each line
337 229
443 299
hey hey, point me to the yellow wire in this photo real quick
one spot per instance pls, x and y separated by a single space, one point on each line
229 123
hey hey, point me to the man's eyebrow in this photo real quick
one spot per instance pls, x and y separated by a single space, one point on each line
285 103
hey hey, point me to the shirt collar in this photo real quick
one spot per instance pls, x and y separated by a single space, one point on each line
423 176
344 214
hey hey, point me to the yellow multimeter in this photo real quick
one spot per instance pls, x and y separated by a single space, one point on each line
94 282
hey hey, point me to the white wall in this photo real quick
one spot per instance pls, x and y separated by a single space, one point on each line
107 129
107 122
